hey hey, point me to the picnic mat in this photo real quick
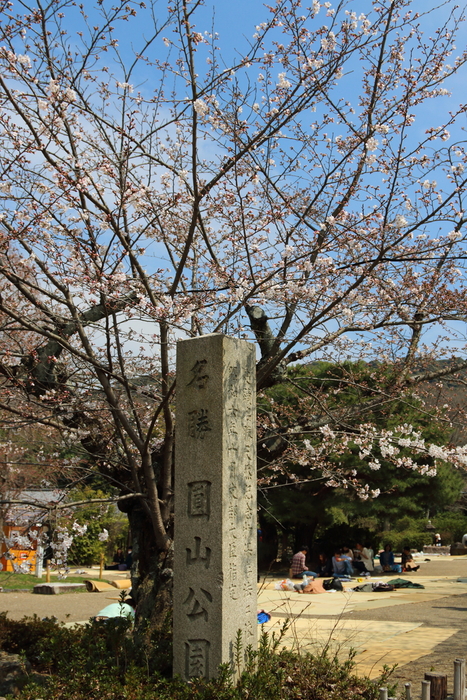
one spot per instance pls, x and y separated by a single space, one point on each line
97 586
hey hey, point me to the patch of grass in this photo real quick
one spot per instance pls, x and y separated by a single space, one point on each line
28 581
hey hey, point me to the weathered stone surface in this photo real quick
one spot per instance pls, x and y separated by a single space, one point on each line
54 588
457 549
215 503
434 549
14 672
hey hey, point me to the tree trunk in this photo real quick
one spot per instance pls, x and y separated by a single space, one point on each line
439 685
267 544
151 575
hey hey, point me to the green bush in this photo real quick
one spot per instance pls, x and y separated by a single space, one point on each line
86 549
412 538
100 661
408 523
412 531
451 526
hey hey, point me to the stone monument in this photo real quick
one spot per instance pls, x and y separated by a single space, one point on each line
215 503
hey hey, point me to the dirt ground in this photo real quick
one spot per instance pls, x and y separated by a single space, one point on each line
66 607
443 612
447 612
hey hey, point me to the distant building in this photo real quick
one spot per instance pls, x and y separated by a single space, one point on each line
21 524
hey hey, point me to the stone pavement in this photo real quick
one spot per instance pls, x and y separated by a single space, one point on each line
325 620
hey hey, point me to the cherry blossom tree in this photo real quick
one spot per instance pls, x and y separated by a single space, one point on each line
302 187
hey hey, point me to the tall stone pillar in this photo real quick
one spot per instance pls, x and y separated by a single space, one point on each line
215 503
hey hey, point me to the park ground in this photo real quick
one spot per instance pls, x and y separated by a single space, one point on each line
418 629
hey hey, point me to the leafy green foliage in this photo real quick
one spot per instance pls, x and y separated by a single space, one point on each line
106 665
302 502
86 549
415 539
412 531
451 526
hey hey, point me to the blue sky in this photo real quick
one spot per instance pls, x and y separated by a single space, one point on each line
235 22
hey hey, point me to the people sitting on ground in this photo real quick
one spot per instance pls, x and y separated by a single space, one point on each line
353 556
299 567
370 552
386 559
341 565
357 562
324 565
407 560
118 561
364 562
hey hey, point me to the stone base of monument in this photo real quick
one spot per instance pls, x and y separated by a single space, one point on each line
458 549
54 588
434 549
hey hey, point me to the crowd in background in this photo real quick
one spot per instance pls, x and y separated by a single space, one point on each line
347 563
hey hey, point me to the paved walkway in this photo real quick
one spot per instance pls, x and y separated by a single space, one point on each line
326 620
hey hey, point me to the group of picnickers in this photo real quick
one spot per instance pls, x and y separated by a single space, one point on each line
348 563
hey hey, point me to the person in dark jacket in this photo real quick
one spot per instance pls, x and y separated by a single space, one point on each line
386 559
324 565
407 560
118 560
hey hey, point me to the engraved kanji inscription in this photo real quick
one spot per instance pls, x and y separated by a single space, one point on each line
233 376
197 658
200 376
196 603
248 382
233 551
198 556
232 421
199 499
199 423
215 538
249 629
248 587
233 514
249 550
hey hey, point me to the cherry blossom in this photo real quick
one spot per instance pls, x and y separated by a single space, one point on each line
163 186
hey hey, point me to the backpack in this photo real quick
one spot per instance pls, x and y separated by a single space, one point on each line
333 584
383 587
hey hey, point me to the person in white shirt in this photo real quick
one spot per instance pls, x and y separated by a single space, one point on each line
365 557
